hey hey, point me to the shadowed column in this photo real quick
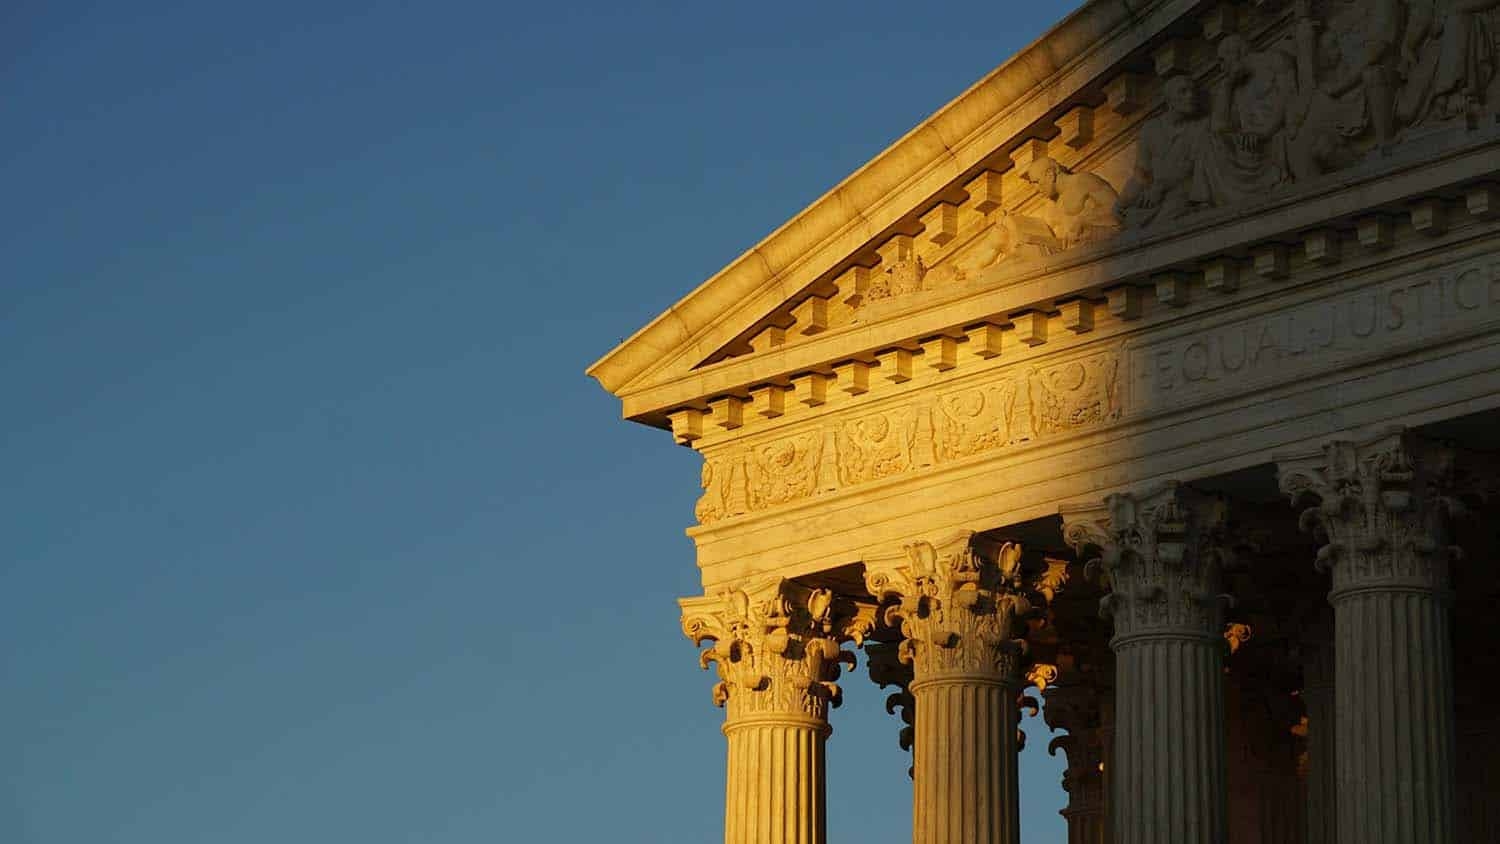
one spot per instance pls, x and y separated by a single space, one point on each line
1074 704
776 647
959 616
1161 557
1384 506
1317 697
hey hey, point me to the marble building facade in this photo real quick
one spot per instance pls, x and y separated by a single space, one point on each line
1156 379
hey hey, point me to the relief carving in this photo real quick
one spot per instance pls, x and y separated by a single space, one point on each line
975 420
1253 120
877 446
1080 209
723 481
1447 60
1037 402
899 279
1166 182
1295 109
1073 395
1082 205
785 470
1304 88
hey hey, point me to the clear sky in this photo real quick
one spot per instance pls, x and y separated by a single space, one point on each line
313 528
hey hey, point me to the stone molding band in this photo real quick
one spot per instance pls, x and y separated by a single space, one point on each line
784 720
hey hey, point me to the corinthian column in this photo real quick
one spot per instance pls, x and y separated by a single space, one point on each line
959 615
776 647
1075 705
1383 506
1161 559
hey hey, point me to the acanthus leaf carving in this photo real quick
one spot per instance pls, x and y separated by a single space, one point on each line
958 607
1384 507
1162 556
776 646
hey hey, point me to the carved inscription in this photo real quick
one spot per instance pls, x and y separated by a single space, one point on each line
1309 338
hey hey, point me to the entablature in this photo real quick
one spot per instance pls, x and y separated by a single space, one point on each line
1400 335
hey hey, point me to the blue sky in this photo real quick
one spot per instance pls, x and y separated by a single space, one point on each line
314 529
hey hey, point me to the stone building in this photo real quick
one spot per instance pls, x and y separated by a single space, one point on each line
1159 373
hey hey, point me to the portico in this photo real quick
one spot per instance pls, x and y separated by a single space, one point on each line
1158 372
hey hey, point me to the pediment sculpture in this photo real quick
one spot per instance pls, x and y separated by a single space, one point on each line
1339 86
1278 93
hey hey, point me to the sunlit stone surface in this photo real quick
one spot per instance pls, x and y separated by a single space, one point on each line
1154 378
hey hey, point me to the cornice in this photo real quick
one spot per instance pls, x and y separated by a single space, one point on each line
1388 187
993 114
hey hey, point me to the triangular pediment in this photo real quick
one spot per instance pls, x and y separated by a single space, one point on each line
1065 174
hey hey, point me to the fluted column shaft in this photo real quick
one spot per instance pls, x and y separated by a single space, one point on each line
1107 763
1162 555
1317 698
1085 826
775 782
1077 704
958 613
1169 741
776 647
1384 506
1085 815
1394 696
964 766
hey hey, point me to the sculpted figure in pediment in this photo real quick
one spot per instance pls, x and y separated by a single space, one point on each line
1254 115
1081 205
1168 180
1080 209
1009 236
1365 38
1448 58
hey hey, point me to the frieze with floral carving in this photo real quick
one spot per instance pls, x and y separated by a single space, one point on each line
1017 407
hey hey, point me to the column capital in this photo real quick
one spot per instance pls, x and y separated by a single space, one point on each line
1383 504
1161 554
776 645
958 605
